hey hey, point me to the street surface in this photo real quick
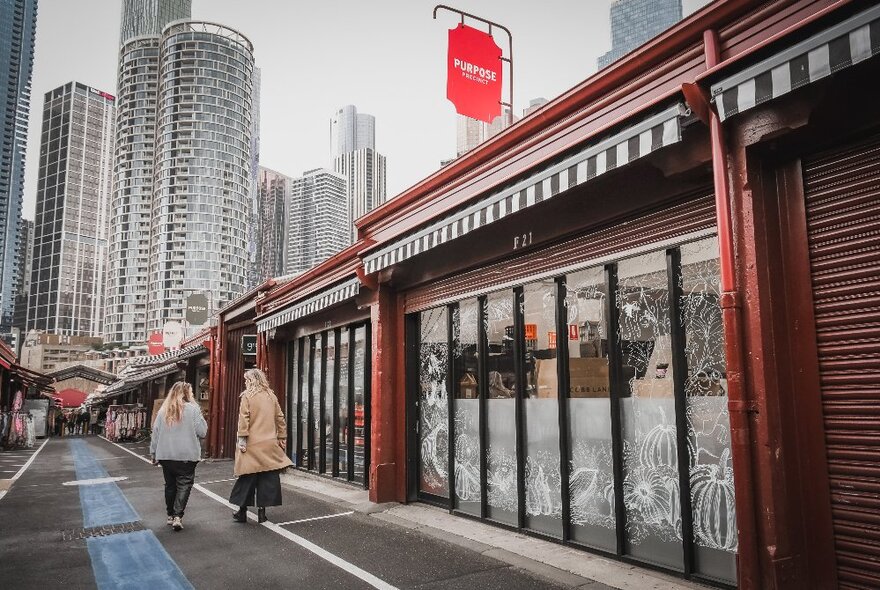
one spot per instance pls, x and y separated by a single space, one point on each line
87 513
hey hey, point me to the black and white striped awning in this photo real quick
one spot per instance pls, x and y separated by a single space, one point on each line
168 356
651 134
322 300
840 46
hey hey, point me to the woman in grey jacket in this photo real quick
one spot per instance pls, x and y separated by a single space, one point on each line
175 445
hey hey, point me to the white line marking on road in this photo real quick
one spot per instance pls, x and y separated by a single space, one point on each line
91 482
29 461
204 483
23 467
309 546
142 458
314 518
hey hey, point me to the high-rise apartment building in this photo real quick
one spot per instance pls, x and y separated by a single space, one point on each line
182 196
73 203
317 219
18 23
635 22
25 266
255 227
354 156
131 205
274 196
201 194
149 17
470 132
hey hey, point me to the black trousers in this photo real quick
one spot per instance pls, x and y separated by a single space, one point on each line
179 478
257 489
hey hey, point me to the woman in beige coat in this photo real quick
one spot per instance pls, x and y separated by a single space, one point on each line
260 456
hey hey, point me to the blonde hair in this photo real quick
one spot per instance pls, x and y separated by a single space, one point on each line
255 380
180 394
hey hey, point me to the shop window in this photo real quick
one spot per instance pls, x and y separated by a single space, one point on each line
635 351
315 400
293 362
327 397
342 420
502 495
304 402
543 480
590 462
433 402
466 320
708 421
651 493
361 403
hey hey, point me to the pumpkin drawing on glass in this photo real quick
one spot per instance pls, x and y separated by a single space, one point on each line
433 408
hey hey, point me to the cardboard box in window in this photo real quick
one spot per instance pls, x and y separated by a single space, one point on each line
467 387
653 387
588 377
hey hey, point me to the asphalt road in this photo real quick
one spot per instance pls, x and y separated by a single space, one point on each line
112 534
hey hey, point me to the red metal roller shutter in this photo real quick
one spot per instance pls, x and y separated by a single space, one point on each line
843 223
693 214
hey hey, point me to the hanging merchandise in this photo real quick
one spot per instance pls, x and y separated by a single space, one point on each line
125 422
17 430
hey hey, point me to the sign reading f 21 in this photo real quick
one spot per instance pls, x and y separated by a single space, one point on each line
473 80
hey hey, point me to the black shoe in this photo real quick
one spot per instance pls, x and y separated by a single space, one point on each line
241 515
261 514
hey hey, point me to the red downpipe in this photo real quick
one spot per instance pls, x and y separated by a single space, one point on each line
748 564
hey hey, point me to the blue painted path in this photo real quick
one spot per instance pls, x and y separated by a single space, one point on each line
125 561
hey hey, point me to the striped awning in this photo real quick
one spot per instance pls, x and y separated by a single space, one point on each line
322 300
840 46
133 381
168 356
635 142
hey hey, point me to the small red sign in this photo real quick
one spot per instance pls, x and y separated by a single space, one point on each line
473 81
551 340
155 343
573 333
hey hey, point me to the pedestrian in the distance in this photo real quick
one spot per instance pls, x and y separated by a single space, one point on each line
175 446
260 455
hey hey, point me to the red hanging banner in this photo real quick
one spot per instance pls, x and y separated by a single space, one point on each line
473 81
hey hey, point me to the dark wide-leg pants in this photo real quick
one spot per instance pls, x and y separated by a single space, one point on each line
257 489
179 478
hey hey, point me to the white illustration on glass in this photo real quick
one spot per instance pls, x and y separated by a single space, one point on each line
708 421
433 402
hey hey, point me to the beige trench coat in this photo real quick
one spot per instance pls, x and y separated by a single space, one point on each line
261 420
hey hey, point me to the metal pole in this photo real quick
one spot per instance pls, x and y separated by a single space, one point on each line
509 59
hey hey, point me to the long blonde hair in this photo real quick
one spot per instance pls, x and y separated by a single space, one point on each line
181 393
255 380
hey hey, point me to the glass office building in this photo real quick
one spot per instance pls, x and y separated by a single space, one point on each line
73 204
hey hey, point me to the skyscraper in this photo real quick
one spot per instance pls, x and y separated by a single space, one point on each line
201 194
73 202
255 227
18 23
182 196
470 132
635 22
149 17
354 156
274 195
130 209
317 219
25 266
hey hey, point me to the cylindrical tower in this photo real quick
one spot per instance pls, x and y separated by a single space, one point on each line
202 172
130 206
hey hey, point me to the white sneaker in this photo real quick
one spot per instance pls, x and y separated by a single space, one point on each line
170 521
176 524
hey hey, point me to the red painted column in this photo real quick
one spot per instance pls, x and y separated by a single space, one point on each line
388 399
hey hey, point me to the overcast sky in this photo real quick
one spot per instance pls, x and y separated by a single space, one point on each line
387 57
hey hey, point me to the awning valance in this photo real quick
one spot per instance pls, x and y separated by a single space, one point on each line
324 299
168 356
840 46
630 144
